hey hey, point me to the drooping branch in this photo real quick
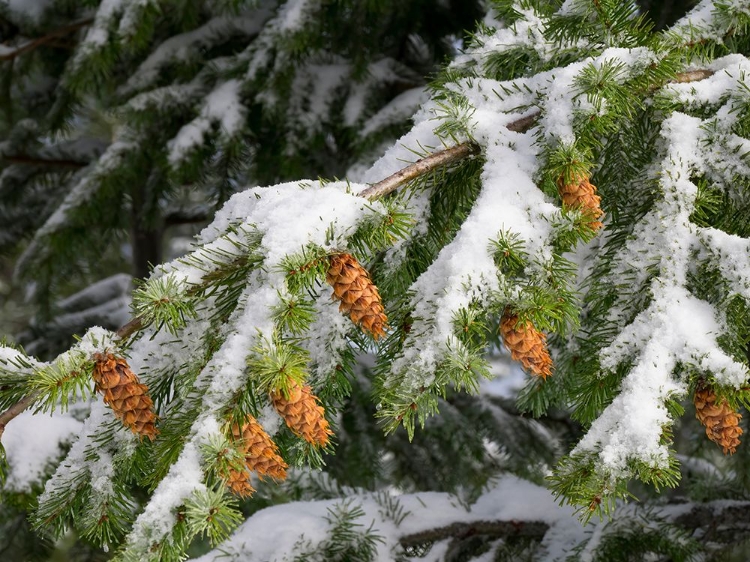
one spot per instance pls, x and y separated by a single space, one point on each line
50 37
391 183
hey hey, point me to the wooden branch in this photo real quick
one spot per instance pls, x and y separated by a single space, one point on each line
693 76
496 529
50 37
17 408
391 183
419 168
439 159
34 161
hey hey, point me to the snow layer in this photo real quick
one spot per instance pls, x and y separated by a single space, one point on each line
33 442
303 525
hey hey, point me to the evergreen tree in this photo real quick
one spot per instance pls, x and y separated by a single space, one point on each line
573 187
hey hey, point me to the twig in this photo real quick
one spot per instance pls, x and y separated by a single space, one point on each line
438 160
51 36
419 168
34 161
17 408
391 183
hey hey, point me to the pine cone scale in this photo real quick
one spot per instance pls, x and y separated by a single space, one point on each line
359 297
527 345
122 391
720 421
302 414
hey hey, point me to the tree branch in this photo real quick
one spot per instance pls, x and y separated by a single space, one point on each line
50 37
496 529
391 183
34 161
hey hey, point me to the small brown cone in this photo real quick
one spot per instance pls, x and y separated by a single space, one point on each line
358 294
238 482
581 194
302 413
261 453
721 422
125 394
527 345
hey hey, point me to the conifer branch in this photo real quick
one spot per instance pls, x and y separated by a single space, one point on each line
420 167
464 150
51 37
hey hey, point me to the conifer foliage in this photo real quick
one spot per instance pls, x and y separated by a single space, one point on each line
572 184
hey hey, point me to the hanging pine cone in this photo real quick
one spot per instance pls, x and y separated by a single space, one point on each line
581 194
721 422
358 295
261 453
238 482
302 413
125 394
527 345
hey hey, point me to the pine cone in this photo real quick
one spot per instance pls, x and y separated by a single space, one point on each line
527 345
581 194
261 453
238 481
358 295
302 413
721 422
125 394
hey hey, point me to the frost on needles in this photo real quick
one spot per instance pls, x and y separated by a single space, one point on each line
599 208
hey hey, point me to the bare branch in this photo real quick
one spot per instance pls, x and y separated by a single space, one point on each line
495 529
52 36
16 409
419 168
34 161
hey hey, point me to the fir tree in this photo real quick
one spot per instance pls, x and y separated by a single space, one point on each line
574 187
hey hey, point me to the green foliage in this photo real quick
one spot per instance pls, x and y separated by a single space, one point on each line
135 132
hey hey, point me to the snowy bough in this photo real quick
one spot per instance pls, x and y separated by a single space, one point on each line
580 191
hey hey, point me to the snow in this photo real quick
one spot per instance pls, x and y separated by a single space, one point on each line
299 527
223 107
30 8
675 328
33 442
186 46
398 110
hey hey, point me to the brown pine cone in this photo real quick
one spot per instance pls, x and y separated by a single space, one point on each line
125 394
581 194
261 453
302 413
527 345
721 422
238 481
358 295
